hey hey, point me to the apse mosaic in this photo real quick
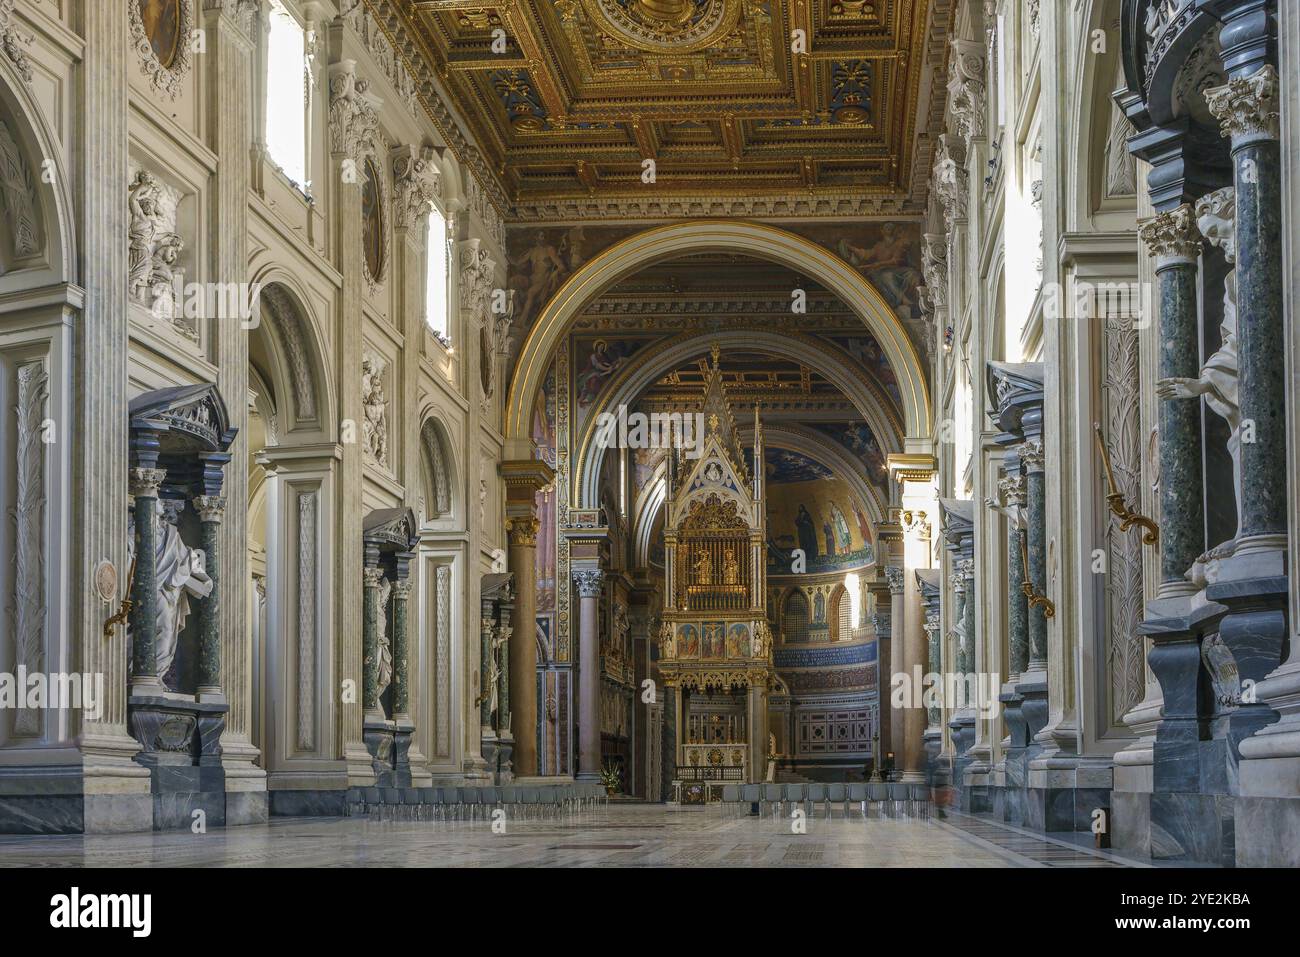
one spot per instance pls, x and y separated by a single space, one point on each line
811 509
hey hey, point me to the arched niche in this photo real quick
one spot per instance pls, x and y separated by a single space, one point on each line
286 352
38 235
437 473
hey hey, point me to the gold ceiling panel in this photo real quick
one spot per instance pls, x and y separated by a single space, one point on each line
571 97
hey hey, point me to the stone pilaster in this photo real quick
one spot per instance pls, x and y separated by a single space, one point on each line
897 619
352 128
229 64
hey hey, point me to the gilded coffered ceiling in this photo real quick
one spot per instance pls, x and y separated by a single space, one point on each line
569 98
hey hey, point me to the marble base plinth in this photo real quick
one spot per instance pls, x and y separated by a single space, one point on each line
1194 829
498 753
389 744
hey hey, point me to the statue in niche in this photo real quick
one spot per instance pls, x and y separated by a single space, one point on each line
181 574
500 637
1218 383
762 640
374 426
730 567
381 634
703 569
153 245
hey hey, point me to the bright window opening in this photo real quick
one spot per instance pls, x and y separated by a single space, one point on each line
436 305
287 92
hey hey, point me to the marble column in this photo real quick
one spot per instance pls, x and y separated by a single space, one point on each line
1252 583
1173 239
928 581
757 731
1033 680
588 582
487 628
372 578
145 483
522 534
1248 109
897 621
882 622
503 682
401 639
211 508
1014 497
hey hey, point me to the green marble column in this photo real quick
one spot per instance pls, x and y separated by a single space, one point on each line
1031 458
211 508
401 666
1173 239
144 485
372 577
503 708
486 654
1014 490
1249 111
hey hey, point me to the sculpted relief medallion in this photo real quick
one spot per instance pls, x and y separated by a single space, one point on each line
666 26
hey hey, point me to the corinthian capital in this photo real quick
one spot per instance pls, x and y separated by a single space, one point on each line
967 92
523 531
894 575
354 113
588 582
1248 107
477 270
1173 235
415 185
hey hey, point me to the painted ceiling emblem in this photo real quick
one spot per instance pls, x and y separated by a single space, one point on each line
666 26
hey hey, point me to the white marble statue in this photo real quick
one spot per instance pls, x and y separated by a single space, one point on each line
181 574
1218 383
153 246
381 633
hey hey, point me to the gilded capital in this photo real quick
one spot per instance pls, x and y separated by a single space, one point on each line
523 531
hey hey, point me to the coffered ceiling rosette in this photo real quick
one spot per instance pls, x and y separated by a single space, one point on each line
577 94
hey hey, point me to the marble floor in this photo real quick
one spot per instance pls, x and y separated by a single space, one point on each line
620 835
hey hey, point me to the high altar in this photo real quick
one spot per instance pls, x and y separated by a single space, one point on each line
715 645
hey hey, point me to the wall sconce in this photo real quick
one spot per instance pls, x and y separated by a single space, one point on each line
1128 517
1027 586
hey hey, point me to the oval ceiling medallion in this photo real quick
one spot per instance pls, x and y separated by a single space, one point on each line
666 26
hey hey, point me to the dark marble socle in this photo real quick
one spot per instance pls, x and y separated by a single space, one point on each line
308 803
1193 829
1130 822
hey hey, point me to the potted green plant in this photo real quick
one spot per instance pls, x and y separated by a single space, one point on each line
612 778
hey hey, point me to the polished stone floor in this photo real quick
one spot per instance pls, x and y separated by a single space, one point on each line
620 835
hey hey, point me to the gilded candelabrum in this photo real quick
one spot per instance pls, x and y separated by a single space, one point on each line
1027 586
1128 518
124 611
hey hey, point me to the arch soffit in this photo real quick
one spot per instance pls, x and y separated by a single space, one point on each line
644 370
761 242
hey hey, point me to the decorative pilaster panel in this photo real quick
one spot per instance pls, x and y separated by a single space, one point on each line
29 598
308 523
442 662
